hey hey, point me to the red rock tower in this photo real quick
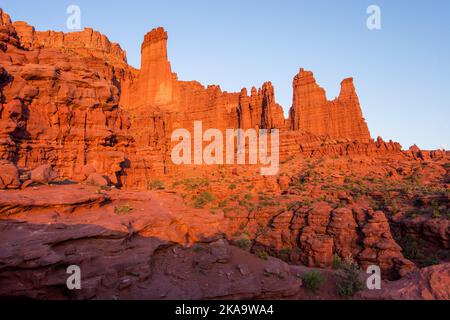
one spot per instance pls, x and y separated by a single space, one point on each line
260 109
155 79
339 118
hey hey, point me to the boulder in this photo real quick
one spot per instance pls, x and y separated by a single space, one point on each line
96 179
9 175
43 174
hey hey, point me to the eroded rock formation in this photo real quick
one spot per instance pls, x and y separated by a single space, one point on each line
59 106
72 108
339 118
71 100
87 43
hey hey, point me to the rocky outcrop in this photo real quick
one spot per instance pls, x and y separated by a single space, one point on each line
9 175
127 266
417 154
379 247
70 100
60 105
317 233
128 245
7 32
339 118
259 110
43 174
88 43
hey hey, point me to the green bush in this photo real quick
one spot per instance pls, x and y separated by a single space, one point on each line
313 280
193 183
349 280
436 214
201 200
123 209
244 244
155 185
410 247
337 262
262 254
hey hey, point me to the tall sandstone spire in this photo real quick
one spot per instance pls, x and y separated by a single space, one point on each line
260 109
340 118
156 80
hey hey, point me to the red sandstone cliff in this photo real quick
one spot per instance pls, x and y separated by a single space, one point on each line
71 100
340 118
87 42
157 87
60 106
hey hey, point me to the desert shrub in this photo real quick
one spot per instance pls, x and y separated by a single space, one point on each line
201 200
349 280
313 280
262 254
232 186
123 209
244 243
266 201
410 247
436 214
193 183
155 185
337 262
222 204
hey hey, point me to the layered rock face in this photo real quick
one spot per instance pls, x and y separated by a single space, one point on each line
87 42
320 232
259 110
340 118
59 106
71 100
157 88
71 108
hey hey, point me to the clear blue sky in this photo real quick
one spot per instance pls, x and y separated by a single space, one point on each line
402 72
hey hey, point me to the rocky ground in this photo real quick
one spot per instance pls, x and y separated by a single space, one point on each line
227 233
